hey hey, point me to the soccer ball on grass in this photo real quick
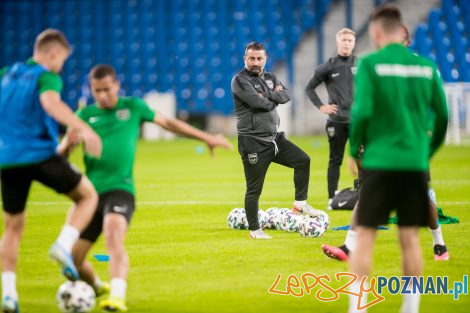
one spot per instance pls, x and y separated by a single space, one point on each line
76 297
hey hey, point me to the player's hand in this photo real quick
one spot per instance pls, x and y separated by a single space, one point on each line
218 141
329 109
74 136
278 88
93 144
355 166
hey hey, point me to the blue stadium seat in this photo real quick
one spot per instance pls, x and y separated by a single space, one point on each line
192 46
445 39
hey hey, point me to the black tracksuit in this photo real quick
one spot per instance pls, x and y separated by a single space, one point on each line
259 142
337 74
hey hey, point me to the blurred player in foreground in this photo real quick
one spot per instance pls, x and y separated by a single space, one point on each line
117 121
395 89
30 110
440 249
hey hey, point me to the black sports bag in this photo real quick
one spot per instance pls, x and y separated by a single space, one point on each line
345 199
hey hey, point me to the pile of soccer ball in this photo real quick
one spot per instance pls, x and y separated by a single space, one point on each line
282 219
75 297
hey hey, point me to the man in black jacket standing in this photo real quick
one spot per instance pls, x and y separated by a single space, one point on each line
337 74
256 95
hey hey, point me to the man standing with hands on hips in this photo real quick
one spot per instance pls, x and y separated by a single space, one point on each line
337 74
256 95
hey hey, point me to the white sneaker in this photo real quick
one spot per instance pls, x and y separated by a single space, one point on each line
306 208
259 234
329 204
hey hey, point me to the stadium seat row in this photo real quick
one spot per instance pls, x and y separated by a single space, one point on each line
192 47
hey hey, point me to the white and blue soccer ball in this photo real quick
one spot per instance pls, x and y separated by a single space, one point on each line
270 215
262 218
278 216
284 211
314 227
290 222
324 219
236 219
76 297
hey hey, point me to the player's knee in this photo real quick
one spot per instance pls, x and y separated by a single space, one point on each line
114 239
89 192
306 159
303 161
335 162
84 192
15 223
253 194
114 243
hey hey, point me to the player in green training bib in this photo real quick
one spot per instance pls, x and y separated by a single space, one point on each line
117 121
395 89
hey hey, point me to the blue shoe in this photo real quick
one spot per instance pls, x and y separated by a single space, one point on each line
9 305
58 254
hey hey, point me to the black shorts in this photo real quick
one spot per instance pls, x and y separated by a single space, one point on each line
384 191
55 173
117 201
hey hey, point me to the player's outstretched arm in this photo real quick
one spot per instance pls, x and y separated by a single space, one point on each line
179 127
55 107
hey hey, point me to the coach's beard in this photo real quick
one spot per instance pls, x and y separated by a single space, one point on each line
256 69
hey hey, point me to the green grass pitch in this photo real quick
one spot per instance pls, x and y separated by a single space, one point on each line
184 258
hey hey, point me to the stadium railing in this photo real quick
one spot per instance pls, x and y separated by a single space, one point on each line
458 101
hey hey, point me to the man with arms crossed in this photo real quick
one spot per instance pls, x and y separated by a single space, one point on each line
256 95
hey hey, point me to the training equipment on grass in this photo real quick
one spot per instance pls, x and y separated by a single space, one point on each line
270 215
290 222
236 219
101 257
314 227
278 218
75 297
262 218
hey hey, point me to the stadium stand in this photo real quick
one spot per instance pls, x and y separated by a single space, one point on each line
192 47
444 38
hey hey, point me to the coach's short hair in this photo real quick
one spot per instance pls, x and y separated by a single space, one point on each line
254 45
345 31
101 71
389 17
48 37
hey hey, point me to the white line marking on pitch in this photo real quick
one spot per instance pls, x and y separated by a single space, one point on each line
188 202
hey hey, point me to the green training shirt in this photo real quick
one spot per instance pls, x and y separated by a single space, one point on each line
119 132
395 91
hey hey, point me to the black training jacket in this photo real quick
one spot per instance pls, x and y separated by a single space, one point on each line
337 74
255 103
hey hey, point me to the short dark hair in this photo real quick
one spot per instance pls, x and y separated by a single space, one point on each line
101 71
389 18
49 36
254 45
